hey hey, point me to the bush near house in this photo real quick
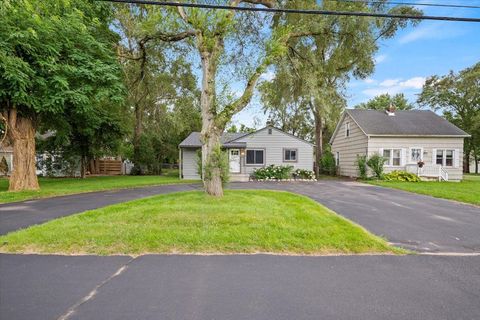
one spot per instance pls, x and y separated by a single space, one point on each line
327 164
273 172
362 166
376 163
399 175
304 174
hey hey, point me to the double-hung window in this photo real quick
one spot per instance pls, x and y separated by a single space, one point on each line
393 157
255 157
289 155
445 157
347 129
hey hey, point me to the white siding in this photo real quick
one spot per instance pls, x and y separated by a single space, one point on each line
429 144
274 144
349 147
189 164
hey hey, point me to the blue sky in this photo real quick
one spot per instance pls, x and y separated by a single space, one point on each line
403 63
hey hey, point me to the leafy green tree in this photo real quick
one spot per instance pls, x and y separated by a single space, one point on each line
383 101
325 54
162 90
457 95
55 55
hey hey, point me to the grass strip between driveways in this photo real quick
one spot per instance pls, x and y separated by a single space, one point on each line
50 187
247 221
467 191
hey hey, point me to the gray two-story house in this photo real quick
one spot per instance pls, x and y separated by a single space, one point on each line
403 138
247 151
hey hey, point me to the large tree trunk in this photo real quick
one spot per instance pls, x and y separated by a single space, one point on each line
21 132
210 133
318 142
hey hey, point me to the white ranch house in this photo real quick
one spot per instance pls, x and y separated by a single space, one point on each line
404 138
248 151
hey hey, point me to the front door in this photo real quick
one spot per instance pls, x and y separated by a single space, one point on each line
234 156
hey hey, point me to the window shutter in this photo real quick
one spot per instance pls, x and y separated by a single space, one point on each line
456 158
403 159
434 156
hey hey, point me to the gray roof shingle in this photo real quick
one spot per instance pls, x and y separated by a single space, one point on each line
193 140
411 122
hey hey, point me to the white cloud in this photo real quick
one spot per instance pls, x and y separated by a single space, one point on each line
380 58
369 81
394 86
435 31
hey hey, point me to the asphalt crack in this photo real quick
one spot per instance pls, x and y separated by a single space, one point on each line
91 295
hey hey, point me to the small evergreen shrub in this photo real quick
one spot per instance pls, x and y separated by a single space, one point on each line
273 172
399 175
327 164
376 163
362 166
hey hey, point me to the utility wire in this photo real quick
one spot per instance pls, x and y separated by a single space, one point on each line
411 4
300 11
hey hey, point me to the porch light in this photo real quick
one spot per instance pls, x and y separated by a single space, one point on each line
242 152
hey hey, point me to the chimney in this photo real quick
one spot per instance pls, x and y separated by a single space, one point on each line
391 110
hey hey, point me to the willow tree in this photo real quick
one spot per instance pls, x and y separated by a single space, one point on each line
55 55
320 63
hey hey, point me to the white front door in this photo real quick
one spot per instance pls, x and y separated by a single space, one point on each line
234 156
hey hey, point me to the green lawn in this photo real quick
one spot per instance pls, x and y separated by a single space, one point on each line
50 187
193 222
467 190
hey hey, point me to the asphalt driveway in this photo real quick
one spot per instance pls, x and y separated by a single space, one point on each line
412 221
239 287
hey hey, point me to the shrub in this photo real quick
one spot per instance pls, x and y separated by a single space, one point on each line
399 175
304 174
376 163
273 172
362 166
327 164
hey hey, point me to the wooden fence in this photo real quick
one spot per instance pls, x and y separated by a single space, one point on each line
106 167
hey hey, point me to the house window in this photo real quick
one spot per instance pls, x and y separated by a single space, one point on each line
445 157
393 157
255 156
347 129
338 159
415 154
289 154
269 130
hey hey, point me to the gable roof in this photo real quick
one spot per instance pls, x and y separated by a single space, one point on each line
194 141
403 123
230 139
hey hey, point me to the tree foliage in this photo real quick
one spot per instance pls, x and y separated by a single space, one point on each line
383 101
457 95
56 62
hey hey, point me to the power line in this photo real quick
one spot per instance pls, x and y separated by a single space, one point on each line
411 4
299 11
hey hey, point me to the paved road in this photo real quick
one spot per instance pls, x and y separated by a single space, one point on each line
239 287
409 220
18 215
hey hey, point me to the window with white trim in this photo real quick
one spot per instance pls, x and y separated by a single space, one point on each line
393 157
347 129
416 154
255 156
445 157
289 155
338 159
